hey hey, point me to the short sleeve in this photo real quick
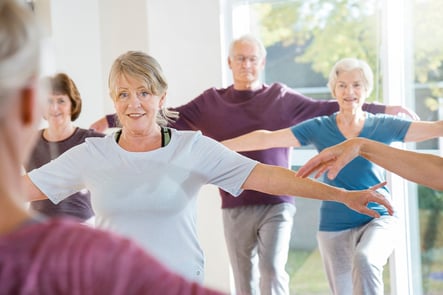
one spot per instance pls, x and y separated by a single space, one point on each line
221 166
62 176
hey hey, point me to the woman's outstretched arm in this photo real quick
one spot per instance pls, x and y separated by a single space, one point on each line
277 180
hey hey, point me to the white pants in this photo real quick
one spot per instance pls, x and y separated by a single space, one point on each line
257 239
354 258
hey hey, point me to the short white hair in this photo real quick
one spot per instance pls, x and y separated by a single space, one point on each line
350 64
248 38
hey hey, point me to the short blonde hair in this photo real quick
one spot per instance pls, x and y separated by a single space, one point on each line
143 67
350 64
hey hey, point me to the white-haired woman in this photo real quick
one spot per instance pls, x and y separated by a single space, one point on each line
354 247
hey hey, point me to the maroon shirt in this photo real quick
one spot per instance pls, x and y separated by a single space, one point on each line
77 205
64 257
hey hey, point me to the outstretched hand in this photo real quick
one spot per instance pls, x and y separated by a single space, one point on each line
359 200
331 159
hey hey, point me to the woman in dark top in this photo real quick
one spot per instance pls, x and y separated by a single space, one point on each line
63 107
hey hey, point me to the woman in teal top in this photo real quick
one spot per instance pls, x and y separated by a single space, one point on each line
354 247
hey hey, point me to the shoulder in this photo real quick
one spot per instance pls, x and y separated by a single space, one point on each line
100 143
61 245
102 138
53 230
188 136
213 92
202 100
277 85
56 230
90 133
319 120
196 143
73 242
387 124
287 92
314 125
381 117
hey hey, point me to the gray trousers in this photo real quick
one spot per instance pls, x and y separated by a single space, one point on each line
354 258
257 238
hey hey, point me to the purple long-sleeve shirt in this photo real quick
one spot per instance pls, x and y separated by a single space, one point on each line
226 113
58 256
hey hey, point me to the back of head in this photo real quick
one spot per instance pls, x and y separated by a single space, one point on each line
19 49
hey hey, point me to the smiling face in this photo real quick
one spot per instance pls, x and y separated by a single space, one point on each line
58 110
350 90
136 107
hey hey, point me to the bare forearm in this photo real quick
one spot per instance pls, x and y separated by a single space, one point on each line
276 180
32 191
263 139
280 181
421 168
255 140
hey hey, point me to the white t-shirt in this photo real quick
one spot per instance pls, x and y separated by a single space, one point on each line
148 196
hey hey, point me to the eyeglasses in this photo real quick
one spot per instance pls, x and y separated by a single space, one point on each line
240 59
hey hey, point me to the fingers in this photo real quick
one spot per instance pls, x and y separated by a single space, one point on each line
377 186
369 212
316 164
307 169
338 163
321 163
333 171
360 202
381 199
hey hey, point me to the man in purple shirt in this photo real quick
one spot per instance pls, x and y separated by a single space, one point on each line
257 227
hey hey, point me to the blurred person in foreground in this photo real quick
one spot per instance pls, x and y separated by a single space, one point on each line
62 108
